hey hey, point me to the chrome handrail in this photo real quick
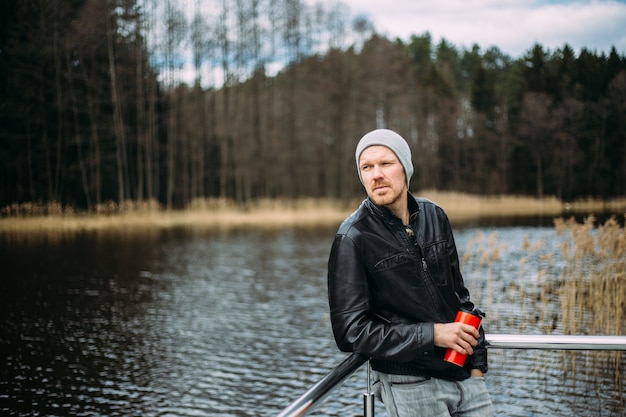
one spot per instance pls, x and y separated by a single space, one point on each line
319 391
555 342
307 401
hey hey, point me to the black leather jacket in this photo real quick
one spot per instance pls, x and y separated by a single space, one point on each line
387 288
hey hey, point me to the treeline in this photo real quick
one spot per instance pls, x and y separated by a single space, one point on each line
172 101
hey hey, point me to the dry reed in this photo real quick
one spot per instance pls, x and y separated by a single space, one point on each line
461 206
592 286
580 289
223 213
201 213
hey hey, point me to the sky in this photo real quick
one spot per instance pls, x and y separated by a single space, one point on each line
514 26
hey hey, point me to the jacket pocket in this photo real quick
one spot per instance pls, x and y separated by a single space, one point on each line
391 261
438 262
396 271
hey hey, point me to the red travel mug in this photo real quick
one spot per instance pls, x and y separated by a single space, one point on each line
467 317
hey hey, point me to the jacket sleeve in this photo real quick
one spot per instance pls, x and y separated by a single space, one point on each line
355 326
479 358
453 258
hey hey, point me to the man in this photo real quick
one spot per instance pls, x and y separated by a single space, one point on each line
394 288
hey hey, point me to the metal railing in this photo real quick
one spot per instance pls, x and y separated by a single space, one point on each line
318 392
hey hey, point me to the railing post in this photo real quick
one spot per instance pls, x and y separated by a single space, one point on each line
368 397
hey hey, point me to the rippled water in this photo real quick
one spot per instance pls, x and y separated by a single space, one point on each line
183 323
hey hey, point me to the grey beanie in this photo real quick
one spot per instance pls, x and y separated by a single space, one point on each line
391 140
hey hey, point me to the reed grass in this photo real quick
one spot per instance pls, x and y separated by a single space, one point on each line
202 214
578 289
223 213
462 206
592 286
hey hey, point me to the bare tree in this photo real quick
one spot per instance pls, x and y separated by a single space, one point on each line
118 120
151 150
78 139
175 30
223 130
536 130
141 129
568 116
292 37
87 53
617 101
58 56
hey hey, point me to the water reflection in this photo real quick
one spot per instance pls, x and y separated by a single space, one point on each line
185 323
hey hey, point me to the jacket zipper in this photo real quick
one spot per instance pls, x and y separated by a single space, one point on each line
411 234
432 288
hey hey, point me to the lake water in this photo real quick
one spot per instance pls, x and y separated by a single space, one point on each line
197 323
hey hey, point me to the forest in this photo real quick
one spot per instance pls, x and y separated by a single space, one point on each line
174 101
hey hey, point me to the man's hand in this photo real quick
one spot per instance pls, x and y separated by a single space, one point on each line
458 336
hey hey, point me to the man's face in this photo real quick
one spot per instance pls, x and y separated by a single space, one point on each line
383 175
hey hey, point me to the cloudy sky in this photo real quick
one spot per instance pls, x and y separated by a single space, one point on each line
512 25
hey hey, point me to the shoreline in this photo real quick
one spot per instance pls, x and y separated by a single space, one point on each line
220 215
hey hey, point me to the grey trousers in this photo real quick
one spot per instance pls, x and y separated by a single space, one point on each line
413 396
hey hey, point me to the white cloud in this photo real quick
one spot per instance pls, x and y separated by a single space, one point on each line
512 25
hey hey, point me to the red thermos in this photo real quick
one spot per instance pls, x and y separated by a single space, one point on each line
466 317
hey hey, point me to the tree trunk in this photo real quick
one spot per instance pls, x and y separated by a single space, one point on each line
118 123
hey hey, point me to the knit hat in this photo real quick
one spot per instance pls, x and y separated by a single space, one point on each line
391 140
